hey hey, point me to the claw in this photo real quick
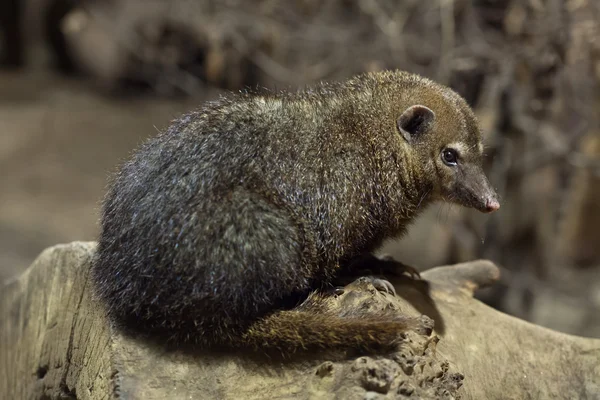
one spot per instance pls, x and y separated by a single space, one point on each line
414 274
400 268
383 285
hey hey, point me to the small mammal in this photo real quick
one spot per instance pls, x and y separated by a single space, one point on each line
252 200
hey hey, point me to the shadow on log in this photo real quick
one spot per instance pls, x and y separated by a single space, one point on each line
55 342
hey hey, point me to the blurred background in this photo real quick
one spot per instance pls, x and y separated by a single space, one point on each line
83 82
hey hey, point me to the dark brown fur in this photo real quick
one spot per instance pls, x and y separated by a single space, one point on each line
216 227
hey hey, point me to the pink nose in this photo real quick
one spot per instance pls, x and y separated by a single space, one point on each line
492 205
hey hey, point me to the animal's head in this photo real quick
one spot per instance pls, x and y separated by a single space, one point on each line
442 131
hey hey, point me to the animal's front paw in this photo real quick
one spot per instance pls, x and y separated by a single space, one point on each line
368 264
398 268
382 285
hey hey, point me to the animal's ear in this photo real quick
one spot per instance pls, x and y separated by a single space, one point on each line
414 121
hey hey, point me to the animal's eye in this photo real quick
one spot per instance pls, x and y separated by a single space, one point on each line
449 156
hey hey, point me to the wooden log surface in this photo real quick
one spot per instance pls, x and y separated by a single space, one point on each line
56 342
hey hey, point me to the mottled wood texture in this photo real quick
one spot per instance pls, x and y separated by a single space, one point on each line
55 342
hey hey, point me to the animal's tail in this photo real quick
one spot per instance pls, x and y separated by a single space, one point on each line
291 331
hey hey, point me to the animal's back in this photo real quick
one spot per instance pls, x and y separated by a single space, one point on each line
206 217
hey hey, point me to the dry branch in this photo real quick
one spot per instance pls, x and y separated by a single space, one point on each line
55 342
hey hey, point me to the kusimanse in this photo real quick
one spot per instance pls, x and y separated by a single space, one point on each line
214 228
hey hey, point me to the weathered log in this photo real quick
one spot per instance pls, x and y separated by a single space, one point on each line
56 342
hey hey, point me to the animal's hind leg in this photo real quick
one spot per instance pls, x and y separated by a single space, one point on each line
255 261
